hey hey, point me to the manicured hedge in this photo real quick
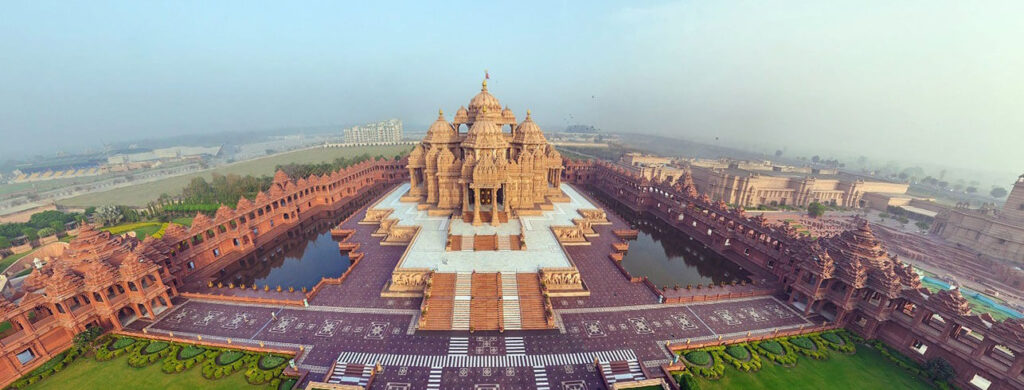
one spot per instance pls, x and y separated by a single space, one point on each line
155 347
121 342
190 351
802 342
271 362
832 338
698 357
748 362
773 347
738 352
52 366
228 357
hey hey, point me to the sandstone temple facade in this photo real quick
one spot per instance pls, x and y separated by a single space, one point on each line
484 168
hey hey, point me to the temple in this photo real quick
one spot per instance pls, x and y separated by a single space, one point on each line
484 172
485 217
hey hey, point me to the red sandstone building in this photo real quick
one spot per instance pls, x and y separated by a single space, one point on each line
108 280
849 278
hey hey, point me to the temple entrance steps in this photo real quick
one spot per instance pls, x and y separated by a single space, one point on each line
511 316
484 307
504 244
463 284
509 285
531 302
461 305
467 243
440 304
621 371
487 242
460 313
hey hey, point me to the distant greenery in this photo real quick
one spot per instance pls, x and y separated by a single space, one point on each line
52 220
815 209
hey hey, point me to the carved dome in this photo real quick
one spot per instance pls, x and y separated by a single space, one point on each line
461 116
484 100
441 131
485 133
528 133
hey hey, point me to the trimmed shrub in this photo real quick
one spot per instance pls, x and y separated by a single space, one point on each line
229 357
270 362
832 338
750 362
788 356
190 351
802 342
155 347
773 347
121 342
699 357
686 380
738 351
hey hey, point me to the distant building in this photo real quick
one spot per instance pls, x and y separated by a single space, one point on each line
751 184
652 167
376 132
994 233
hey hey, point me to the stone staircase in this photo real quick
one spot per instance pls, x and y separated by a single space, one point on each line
484 309
510 302
440 303
350 374
504 244
461 304
531 302
621 371
467 243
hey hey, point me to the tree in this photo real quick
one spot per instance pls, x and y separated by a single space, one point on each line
83 338
46 232
998 192
778 153
815 209
30 233
938 369
109 215
971 189
815 158
4 242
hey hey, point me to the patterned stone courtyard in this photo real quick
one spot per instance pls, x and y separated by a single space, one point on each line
351 325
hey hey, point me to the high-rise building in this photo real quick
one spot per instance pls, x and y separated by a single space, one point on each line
376 132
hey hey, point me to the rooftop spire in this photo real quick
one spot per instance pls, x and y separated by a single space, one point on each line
483 85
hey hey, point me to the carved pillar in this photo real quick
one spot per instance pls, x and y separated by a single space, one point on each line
476 207
465 198
149 310
807 309
494 207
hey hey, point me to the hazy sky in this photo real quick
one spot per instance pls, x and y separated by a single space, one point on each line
927 80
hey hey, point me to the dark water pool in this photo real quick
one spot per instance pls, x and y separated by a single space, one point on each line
667 257
297 261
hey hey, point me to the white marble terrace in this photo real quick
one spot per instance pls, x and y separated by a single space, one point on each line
427 249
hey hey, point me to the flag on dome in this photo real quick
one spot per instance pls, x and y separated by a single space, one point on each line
487 76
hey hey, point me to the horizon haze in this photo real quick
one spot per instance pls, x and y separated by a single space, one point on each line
936 83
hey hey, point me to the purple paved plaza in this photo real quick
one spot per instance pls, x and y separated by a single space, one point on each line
352 323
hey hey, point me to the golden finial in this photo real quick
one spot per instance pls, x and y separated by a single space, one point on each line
527 112
484 110
440 112
484 86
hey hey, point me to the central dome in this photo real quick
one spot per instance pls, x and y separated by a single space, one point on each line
483 100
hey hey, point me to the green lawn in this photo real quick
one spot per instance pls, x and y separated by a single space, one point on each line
88 374
184 221
867 369
140 194
141 229
7 261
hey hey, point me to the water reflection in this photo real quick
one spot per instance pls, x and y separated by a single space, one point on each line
668 257
299 258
